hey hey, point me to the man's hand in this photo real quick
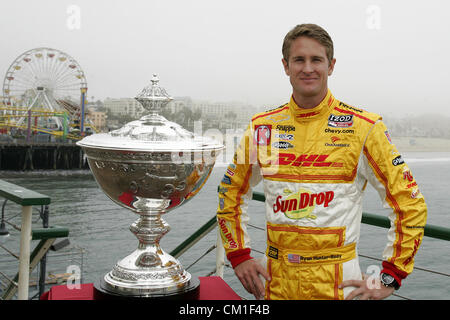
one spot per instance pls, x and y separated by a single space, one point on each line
248 273
367 290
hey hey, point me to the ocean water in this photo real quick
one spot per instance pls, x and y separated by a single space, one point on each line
101 227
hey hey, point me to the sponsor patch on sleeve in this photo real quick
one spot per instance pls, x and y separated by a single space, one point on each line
230 172
226 179
222 190
262 134
386 133
398 161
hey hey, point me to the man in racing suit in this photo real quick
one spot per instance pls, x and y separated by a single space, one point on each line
315 156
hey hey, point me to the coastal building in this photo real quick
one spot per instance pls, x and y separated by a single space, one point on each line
123 106
219 115
98 118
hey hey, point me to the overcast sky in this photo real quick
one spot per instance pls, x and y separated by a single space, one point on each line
392 56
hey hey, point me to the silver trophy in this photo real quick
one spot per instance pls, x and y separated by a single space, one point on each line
150 166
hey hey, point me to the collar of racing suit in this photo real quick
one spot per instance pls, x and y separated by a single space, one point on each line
322 109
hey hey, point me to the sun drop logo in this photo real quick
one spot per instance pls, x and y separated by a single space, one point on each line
227 234
301 204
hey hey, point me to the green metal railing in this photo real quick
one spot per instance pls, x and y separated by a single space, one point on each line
47 236
195 237
431 231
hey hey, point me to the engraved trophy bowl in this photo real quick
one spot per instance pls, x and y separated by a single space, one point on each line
150 166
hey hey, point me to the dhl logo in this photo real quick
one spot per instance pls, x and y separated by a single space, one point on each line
307 115
305 160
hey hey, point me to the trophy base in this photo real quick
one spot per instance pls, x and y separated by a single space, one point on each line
189 292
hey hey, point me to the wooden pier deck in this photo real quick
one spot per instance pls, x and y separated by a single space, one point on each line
23 156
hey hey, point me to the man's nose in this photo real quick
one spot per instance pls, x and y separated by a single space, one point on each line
308 67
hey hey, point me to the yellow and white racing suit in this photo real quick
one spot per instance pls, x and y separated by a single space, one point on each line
315 164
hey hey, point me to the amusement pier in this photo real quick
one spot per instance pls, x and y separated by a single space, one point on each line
42 112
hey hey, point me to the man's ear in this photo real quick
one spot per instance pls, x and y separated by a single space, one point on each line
331 67
286 66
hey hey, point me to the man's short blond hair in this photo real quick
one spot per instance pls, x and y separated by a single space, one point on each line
311 31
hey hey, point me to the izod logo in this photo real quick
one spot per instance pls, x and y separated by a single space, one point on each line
300 205
340 121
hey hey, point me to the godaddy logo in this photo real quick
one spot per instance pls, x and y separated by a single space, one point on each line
300 204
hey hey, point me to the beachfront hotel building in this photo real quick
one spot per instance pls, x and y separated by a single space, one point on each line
124 106
220 115
98 118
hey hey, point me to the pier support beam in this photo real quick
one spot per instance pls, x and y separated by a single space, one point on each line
28 161
24 257
41 156
55 158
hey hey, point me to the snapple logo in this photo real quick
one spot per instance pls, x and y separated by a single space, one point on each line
300 205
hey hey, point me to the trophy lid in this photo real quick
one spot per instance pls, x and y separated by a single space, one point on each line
152 132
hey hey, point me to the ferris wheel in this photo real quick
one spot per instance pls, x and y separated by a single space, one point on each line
45 78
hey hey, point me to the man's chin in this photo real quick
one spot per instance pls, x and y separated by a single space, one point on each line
310 93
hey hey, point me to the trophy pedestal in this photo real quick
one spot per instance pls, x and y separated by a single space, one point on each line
149 272
189 292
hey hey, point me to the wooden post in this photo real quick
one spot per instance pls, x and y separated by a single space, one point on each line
55 157
66 158
24 256
25 158
83 100
28 158
80 158
29 126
